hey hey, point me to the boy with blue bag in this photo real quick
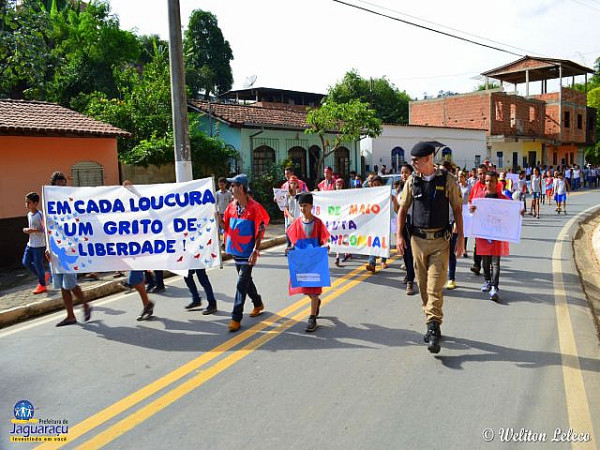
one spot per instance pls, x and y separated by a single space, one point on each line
309 270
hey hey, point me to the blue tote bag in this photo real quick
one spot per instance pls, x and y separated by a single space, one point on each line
309 267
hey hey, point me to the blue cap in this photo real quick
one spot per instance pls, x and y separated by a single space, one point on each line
242 178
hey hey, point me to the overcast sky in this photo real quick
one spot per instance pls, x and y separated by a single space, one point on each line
309 45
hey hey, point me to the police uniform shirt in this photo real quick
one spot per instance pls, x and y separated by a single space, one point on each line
452 189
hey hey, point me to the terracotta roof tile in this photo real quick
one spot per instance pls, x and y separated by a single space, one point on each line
248 115
32 118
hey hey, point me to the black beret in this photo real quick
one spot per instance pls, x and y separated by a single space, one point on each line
305 197
422 149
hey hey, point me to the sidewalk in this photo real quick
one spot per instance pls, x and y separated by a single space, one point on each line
18 303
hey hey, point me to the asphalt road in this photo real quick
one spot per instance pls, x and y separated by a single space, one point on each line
510 373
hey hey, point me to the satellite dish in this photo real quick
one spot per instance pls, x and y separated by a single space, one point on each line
250 81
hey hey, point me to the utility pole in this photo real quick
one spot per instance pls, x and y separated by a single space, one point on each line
183 159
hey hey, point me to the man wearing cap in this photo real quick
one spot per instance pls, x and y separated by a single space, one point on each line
328 184
244 224
428 195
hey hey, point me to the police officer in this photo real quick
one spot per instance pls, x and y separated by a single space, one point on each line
430 192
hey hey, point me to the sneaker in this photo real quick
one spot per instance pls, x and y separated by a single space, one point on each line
210 310
384 265
194 304
157 289
451 284
494 294
370 268
312 324
410 288
257 310
147 312
476 270
39 289
234 325
487 286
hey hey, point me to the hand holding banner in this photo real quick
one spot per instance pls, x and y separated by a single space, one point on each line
161 226
497 219
357 219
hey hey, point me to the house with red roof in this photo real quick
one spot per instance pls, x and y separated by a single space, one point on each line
36 139
271 130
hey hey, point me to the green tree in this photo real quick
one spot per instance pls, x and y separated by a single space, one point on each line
88 47
24 49
490 85
144 109
207 56
390 104
347 122
592 153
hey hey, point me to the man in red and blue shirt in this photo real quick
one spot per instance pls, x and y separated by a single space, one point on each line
244 224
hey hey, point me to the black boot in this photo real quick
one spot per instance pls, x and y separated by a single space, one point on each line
433 336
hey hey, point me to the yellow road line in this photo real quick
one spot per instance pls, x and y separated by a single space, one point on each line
577 402
137 417
131 400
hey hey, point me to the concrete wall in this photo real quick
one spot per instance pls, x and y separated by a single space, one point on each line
28 162
148 175
465 144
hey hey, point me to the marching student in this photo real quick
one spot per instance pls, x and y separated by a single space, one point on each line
560 189
67 282
33 256
291 209
223 197
339 185
377 182
489 250
308 227
405 172
536 193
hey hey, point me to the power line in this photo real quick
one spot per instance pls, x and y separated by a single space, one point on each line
407 22
586 5
529 52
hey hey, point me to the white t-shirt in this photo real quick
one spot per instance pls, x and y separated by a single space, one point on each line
576 173
560 186
223 200
36 221
535 184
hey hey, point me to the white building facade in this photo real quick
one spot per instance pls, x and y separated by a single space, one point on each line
464 147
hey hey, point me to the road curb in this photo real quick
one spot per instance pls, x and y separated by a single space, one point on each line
588 263
100 290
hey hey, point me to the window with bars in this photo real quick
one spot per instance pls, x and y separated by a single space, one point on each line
342 162
298 157
87 173
263 158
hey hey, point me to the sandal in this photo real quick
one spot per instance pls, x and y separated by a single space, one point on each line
66 322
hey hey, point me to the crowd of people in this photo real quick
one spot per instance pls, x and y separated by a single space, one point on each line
429 232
